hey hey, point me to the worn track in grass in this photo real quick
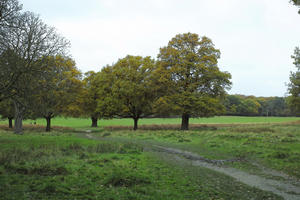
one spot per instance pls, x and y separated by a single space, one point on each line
286 187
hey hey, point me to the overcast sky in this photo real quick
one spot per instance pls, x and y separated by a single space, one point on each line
256 37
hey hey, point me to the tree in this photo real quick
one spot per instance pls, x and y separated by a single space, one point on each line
9 10
89 97
248 107
56 89
294 86
189 67
128 90
296 3
7 111
231 104
24 48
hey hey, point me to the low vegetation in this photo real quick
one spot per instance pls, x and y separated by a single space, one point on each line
274 146
61 165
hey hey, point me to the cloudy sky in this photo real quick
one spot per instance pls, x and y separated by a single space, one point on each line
256 37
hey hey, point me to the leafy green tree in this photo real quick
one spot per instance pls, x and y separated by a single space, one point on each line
231 104
7 111
188 66
248 107
294 85
89 97
125 89
56 89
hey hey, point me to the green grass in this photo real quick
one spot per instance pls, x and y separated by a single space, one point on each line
273 146
81 122
62 166
65 165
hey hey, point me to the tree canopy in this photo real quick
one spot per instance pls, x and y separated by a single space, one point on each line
9 10
57 88
126 88
89 97
294 85
188 66
25 44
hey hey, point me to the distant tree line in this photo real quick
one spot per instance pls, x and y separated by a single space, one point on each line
241 105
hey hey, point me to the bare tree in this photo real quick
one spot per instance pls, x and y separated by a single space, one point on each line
9 9
24 48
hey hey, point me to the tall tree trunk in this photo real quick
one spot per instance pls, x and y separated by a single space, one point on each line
10 122
135 127
18 118
185 121
94 121
48 127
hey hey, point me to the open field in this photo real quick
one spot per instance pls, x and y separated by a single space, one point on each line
82 122
62 166
83 163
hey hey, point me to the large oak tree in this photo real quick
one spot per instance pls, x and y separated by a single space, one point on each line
56 89
126 88
193 84
89 97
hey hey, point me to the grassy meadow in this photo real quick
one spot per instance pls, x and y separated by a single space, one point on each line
83 163
85 122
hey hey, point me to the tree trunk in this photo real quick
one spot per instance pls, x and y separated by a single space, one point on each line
48 127
185 122
94 121
18 118
10 122
135 127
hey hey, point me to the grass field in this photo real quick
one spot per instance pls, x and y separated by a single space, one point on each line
121 164
60 166
82 122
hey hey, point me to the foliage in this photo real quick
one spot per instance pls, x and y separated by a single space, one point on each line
294 85
191 79
24 48
130 88
89 97
7 109
57 89
242 105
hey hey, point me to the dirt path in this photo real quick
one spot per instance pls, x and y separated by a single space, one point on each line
285 187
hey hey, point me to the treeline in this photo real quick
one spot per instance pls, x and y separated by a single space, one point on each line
241 105
39 79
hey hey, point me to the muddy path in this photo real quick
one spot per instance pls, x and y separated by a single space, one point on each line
268 180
